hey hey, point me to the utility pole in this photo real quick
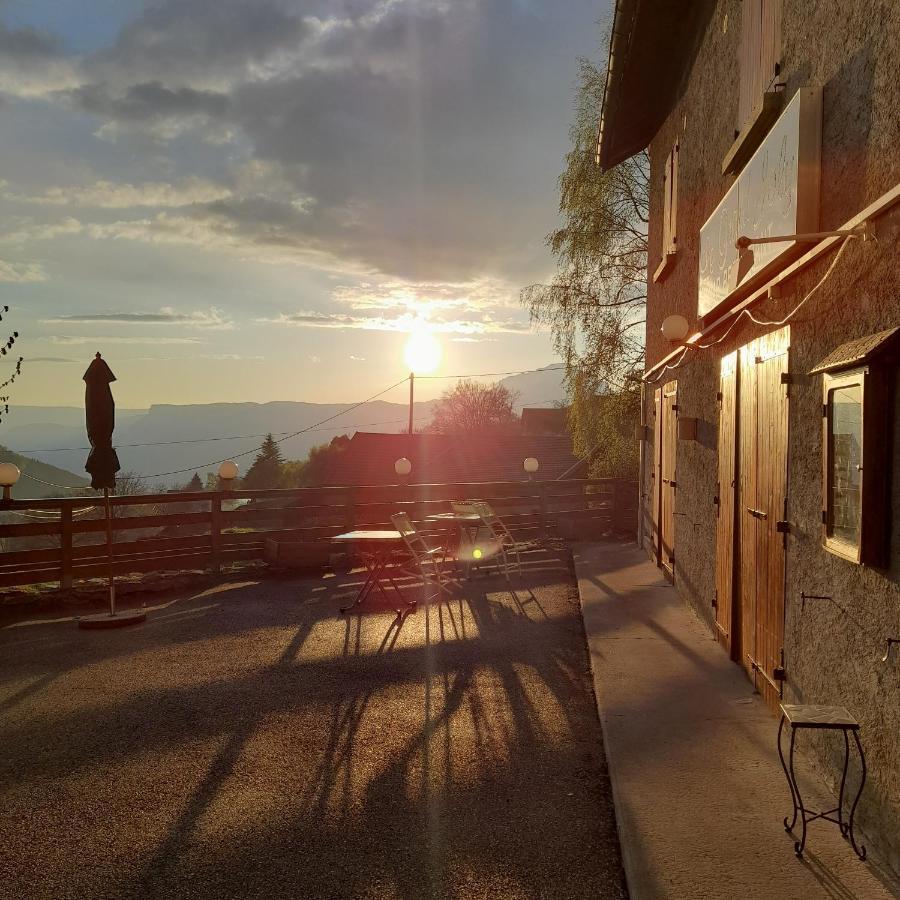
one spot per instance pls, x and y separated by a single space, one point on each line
412 379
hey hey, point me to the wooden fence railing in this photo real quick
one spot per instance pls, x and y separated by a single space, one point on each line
61 540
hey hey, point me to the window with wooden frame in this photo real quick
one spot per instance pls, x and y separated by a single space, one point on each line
670 215
855 442
759 63
857 428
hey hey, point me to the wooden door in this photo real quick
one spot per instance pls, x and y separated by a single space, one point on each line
668 482
655 473
763 438
726 533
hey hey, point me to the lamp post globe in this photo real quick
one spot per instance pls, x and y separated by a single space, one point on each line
228 471
531 465
9 475
402 467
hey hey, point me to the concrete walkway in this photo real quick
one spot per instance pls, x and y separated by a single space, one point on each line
699 791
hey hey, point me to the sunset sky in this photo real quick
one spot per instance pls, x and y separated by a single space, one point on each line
256 199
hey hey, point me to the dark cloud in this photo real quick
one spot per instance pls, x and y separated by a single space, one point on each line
418 139
148 102
27 44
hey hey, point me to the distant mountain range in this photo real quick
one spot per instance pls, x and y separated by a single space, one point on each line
56 435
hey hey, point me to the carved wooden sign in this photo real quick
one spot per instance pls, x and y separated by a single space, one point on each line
776 193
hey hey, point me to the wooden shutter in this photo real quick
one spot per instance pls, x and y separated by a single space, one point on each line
727 489
759 54
670 202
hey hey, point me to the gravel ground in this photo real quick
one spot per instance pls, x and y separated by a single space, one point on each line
248 741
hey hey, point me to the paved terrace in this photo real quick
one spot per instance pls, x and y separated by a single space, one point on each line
248 741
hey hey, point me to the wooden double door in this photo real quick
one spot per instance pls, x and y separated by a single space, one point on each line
752 492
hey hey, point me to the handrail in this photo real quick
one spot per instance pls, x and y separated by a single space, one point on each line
194 529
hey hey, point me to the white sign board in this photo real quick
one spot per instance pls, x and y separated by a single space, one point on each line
776 193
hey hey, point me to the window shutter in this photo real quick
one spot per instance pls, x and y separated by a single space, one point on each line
673 202
759 54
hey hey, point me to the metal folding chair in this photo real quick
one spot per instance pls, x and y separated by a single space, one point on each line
509 546
426 560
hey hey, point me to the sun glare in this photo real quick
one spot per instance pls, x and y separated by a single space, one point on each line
422 352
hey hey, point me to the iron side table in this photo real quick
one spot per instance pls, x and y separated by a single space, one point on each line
829 718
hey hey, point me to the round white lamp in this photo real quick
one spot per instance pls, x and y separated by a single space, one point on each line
9 475
531 465
403 467
228 471
675 328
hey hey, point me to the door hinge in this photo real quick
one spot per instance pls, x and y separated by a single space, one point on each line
672 484
787 378
715 600
779 674
824 411
783 527
719 396
824 517
675 407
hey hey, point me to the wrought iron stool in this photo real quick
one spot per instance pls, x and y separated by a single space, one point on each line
830 718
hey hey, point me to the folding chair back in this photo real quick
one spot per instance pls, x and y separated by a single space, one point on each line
508 544
424 557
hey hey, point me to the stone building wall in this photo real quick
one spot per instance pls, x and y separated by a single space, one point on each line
851 50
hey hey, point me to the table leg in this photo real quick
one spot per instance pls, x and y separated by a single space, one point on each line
787 775
372 566
860 850
840 810
798 845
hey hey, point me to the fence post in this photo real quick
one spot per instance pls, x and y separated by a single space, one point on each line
215 531
65 545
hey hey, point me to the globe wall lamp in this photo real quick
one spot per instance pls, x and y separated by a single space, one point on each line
228 471
9 475
675 328
402 467
531 465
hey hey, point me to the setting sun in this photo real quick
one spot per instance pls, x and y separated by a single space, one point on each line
422 352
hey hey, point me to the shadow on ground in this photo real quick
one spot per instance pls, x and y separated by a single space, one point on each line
249 741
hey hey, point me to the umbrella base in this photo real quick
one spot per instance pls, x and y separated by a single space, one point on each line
119 620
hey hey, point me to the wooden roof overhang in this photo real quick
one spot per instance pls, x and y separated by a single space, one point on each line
650 45
712 330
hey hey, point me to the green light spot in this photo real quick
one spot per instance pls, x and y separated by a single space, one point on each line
476 553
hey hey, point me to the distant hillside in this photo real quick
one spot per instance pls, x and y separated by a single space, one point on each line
28 489
56 435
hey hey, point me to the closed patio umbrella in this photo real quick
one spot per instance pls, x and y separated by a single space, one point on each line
102 464
100 418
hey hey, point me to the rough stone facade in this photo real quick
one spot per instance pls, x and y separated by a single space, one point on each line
833 650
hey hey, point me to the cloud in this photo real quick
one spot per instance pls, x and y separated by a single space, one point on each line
21 273
211 318
25 230
403 322
49 359
74 340
404 132
112 195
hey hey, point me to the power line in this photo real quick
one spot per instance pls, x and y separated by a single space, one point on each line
495 374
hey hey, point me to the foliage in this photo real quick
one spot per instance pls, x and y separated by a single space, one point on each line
266 470
594 306
195 484
5 347
314 469
602 427
472 407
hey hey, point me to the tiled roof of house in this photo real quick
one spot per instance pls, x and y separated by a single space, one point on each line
457 458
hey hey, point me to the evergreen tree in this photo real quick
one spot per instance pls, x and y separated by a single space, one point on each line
267 469
195 484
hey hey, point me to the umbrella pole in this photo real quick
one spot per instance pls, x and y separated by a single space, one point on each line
109 545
